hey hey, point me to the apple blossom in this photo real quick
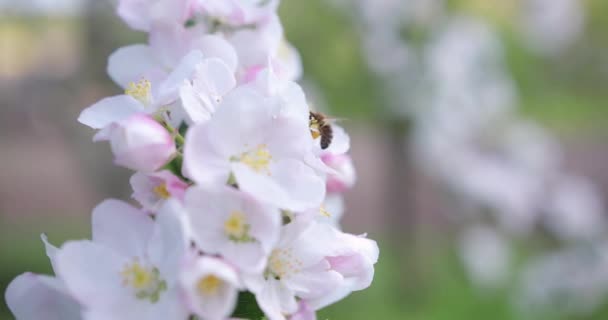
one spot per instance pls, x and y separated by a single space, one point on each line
33 297
152 190
129 269
233 224
313 262
264 153
231 181
211 287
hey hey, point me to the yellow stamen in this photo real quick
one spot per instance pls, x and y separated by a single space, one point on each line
161 191
258 159
324 211
146 282
236 226
140 90
208 285
282 263
136 276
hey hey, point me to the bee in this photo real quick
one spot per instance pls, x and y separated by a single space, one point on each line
320 126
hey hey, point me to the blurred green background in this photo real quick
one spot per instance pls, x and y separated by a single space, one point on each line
51 175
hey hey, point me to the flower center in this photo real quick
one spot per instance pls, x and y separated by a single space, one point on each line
145 282
282 263
161 191
257 159
237 228
140 90
208 285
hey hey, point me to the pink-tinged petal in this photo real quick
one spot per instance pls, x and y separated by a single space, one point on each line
353 257
170 240
145 186
140 143
305 312
131 63
203 162
314 282
146 158
92 274
220 301
344 176
251 73
34 297
213 46
122 227
110 110
51 250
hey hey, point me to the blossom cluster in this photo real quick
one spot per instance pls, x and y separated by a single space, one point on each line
239 198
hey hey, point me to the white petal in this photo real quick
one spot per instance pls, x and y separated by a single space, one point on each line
192 105
121 227
262 187
169 242
340 143
92 274
51 250
109 110
203 162
131 63
314 282
215 77
276 300
34 297
213 46
168 42
169 88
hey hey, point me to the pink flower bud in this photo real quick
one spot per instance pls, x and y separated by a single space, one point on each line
139 143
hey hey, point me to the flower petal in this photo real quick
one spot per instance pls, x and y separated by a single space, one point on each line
121 227
110 110
131 63
92 274
33 297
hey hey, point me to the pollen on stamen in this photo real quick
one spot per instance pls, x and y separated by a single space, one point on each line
140 90
161 191
208 285
324 211
258 159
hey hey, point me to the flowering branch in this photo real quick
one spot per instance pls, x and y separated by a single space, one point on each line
223 143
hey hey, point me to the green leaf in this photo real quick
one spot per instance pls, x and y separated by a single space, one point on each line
247 307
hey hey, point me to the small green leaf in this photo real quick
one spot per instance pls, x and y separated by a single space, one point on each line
247 307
